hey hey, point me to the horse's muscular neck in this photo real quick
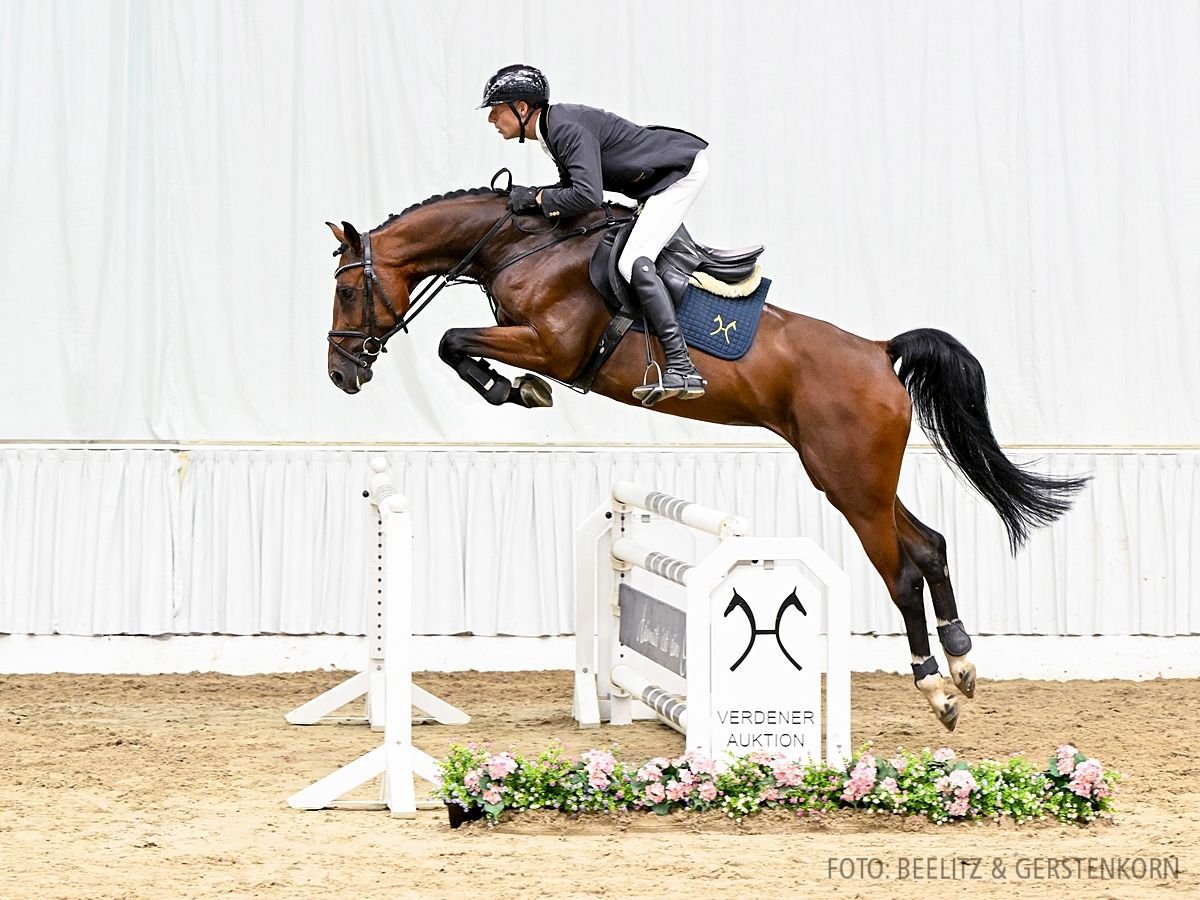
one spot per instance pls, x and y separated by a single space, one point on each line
433 239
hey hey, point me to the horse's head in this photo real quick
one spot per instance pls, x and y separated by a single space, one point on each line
368 306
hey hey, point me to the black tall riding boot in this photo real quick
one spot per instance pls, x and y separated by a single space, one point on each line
680 379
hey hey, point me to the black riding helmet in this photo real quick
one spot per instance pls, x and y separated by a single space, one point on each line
518 82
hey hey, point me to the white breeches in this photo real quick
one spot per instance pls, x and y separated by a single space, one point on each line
661 216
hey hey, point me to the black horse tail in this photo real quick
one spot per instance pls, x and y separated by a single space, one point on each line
949 393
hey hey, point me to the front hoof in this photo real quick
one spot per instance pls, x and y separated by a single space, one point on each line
964 677
948 714
533 391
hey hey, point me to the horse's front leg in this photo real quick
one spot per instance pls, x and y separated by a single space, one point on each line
516 345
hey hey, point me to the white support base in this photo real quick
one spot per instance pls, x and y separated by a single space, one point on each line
317 710
396 794
586 706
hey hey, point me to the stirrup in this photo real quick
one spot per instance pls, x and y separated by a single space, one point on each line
649 392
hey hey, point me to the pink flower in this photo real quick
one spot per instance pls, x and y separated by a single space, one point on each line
649 772
702 765
943 754
598 781
501 764
960 807
943 785
861 780
471 779
686 776
655 793
899 763
1066 759
492 795
889 786
677 791
598 761
769 794
854 792
787 773
1088 779
707 791
963 782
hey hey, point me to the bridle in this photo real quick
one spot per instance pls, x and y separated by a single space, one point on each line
372 343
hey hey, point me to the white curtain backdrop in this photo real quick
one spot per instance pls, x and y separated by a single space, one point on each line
1024 175
281 541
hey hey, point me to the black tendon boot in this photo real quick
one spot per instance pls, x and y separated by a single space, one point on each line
680 378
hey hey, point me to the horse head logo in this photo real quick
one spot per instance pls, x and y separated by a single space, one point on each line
739 602
722 328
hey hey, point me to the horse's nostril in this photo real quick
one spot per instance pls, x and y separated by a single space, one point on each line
337 377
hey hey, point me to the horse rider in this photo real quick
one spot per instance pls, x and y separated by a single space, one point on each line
663 169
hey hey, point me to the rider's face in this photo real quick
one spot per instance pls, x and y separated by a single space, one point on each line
504 121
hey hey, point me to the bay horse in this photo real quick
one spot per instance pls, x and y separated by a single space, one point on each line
836 398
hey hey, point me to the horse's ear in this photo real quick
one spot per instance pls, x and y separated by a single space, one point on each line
337 233
353 238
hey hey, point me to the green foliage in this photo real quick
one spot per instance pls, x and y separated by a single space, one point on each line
1072 788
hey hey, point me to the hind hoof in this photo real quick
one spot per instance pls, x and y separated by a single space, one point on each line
533 391
948 715
964 678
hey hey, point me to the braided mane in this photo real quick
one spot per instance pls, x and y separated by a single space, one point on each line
465 192
450 195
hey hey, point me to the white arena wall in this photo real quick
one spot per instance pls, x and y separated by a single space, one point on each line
180 485
200 549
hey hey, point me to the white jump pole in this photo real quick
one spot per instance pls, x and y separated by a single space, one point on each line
396 760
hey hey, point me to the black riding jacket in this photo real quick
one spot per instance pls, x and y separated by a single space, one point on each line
596 150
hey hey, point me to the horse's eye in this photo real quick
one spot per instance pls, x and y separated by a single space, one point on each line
345 292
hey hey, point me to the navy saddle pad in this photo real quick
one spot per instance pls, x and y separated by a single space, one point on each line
723 327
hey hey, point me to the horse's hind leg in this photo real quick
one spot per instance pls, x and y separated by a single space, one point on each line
881 540
927 549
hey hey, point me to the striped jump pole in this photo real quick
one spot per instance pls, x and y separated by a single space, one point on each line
670 709
685 512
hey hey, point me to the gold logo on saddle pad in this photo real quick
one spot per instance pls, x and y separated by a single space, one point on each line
722 328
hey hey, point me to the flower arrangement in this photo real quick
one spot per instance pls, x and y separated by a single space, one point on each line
477 783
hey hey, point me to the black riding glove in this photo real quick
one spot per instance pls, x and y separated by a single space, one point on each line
523 200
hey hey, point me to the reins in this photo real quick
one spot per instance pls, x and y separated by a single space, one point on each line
374 344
